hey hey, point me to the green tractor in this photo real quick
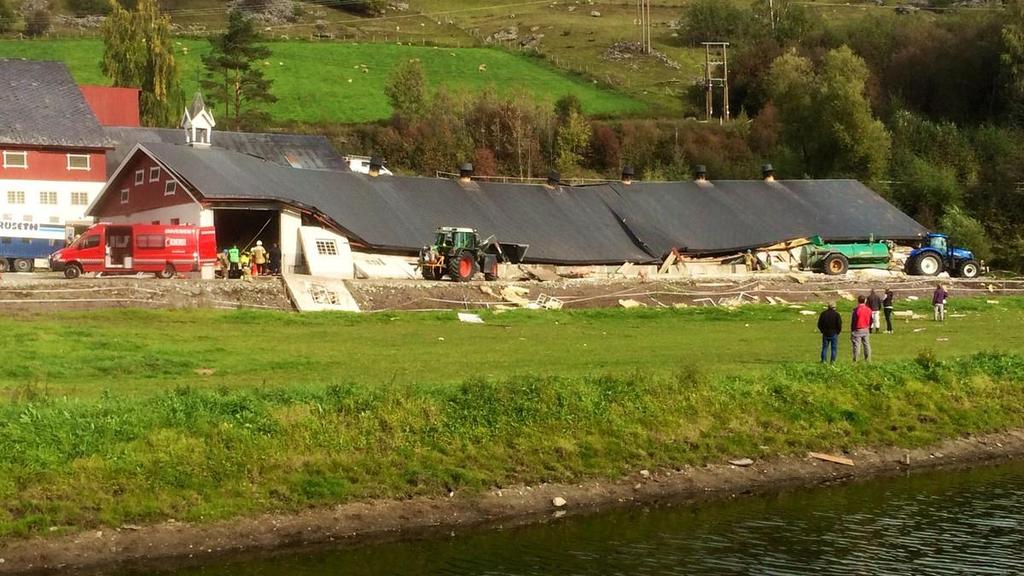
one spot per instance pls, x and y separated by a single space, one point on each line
459 254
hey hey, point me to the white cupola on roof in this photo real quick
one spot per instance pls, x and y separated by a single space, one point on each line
197 122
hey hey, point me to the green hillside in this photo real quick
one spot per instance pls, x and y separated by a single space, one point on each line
344 82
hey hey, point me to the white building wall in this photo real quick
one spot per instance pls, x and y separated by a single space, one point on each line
60 213
191 213
291 247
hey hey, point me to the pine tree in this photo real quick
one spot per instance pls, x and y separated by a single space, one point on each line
233 77
137 53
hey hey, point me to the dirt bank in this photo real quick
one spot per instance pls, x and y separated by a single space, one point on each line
177 542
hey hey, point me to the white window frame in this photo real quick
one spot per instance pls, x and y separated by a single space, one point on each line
14 154
140 177
154 173
326 247
84 195
12 196
43 195
170 188
125 196
88 162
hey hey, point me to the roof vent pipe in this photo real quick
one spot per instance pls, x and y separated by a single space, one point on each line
376 163
768 173
465 172
554 178
627 175
700 173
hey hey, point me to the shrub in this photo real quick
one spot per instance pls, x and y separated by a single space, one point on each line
37 22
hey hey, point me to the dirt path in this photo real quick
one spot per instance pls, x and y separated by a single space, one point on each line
173 542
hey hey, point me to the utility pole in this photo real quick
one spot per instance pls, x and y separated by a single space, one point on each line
771 13
716 73
643 10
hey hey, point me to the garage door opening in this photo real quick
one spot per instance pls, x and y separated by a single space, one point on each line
243 228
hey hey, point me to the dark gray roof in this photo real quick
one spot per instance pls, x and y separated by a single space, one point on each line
607 223
302 151
40 105
197 106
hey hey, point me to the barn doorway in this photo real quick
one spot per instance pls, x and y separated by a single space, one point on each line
243 227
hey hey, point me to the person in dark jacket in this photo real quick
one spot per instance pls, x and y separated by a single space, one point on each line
887 308
830 324
274 259
875 304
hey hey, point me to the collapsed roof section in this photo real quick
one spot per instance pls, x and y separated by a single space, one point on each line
600 224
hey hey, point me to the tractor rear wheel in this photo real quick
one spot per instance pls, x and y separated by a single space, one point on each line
462 267
928 265
836 264
968 269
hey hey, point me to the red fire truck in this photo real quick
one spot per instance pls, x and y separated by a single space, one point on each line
134 248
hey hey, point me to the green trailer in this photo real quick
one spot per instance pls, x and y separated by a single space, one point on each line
835 259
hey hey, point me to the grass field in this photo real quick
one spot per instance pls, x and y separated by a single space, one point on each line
106 417
326 82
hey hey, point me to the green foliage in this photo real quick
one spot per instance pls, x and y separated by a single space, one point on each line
571 142
137 52
6 16
234 74
88 7
827 116
1013 55
206 454
712 21
966 232
407 90
927 190
37 22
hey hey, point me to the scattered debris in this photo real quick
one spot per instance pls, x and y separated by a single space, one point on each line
558 502
205 371
470 318
942 339
549 302
741 462
807 312
540 273
516 295
912 298
595 13
919 329
830 458
645 473
630 303
992 301
845 295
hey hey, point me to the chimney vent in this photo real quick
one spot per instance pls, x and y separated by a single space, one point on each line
768 172
554 178
700 173
376 163
465 171
627 175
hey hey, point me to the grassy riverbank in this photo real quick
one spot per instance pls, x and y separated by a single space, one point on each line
105 421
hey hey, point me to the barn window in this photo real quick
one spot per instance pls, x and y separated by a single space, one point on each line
170 188
48 197
154 173
79 198
140 176
124 196
15 159
326 248
15 197
78 162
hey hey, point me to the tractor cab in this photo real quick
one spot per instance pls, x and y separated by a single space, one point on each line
449 237
939 242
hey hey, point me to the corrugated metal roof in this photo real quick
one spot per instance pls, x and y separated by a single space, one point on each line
607 223
296 150
40 105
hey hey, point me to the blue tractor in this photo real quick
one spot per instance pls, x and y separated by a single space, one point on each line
937 256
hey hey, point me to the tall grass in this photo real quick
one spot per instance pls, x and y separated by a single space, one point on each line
206 453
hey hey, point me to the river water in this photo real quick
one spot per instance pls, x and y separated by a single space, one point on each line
944 522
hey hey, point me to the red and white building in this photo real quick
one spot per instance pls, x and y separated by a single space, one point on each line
52 147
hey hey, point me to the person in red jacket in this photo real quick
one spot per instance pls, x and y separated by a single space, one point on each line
860 329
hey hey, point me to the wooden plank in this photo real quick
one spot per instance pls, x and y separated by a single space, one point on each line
830 458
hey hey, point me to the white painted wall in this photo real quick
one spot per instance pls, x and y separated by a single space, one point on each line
63 212
190 213
319 263
291 247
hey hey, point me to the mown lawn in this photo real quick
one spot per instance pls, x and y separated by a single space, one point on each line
344 82
105 418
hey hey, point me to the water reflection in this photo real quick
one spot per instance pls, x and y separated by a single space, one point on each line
950 522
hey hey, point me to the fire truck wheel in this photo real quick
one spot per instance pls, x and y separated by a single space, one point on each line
72 271
3 265
22 265
167 272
